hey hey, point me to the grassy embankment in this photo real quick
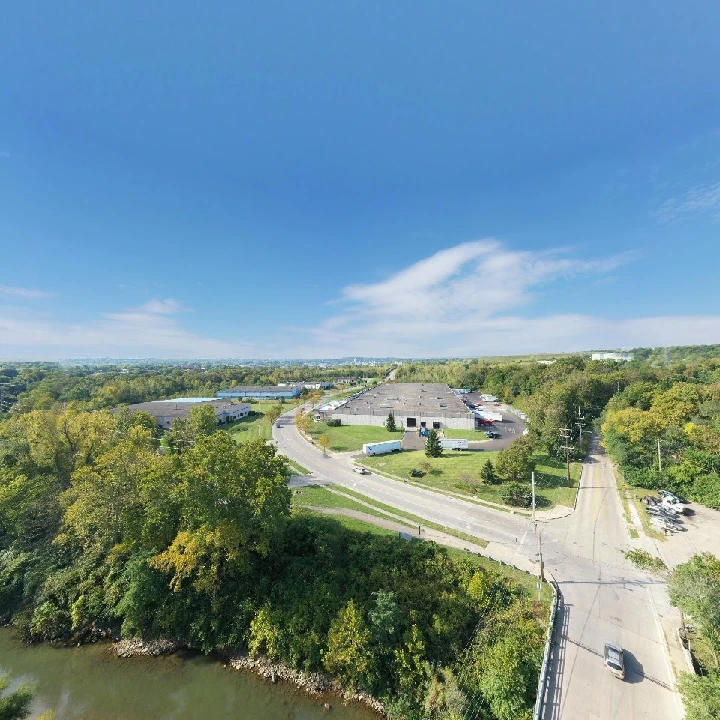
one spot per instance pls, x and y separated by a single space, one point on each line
319 496
628 495
316 496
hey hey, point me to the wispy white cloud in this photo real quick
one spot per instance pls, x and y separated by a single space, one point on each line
146 331
168 306
479 298
4 154
23 292
701 199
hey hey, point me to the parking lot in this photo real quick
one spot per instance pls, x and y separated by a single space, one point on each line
510 428
702 535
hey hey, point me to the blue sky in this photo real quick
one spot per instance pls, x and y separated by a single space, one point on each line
284 179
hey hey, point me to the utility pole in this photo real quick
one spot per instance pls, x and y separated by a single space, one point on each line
659 457
580 422
533 497
565 434
539 536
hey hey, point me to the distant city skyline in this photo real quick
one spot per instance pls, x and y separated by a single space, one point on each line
405 180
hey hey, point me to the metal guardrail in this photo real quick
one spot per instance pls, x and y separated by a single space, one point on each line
545 667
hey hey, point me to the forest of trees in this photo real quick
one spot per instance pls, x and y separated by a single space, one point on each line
665 432
100 533
39 386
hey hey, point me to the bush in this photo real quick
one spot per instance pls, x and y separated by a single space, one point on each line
516 494
334 423
645 561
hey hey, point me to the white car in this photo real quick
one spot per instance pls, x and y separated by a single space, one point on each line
361 470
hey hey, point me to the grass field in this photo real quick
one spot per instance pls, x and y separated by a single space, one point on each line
318 496
460 472
415 520
352 437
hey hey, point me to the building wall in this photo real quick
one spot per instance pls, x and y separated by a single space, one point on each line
233 413
460 423
271 395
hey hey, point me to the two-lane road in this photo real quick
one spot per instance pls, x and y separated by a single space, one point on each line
604 598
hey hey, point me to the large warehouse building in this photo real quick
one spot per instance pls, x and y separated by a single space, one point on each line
270 392
414 405
166 412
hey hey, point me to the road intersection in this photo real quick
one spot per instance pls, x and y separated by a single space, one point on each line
604 598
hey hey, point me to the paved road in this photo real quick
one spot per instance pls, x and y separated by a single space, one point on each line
605 599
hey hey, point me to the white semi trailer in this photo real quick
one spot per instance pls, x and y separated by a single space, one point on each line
450 444
489 415
380 448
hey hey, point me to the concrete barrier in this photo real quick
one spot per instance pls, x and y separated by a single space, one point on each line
545 667
686 653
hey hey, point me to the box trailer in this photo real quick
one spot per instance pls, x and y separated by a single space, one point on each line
450 444
489 415
380 448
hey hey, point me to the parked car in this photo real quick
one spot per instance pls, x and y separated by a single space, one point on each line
672 497
360 470
278 425
615 660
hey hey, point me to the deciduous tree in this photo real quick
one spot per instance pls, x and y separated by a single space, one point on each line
515 462
348 654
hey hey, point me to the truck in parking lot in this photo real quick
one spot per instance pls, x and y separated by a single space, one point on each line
489 415
453 444
380 448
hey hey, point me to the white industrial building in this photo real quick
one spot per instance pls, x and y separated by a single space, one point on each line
621 357
166 412
414 405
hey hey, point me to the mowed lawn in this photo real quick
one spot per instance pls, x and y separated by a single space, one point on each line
459 472
352 437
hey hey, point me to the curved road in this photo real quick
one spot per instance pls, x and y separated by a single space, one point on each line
605 599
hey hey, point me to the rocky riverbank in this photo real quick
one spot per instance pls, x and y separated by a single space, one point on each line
152 648
312 683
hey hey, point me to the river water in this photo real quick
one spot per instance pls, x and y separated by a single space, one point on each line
92 683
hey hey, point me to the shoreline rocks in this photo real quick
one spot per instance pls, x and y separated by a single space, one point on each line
312 683
150 648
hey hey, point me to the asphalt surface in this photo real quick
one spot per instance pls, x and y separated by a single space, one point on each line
605 599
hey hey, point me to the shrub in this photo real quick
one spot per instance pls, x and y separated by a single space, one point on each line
516 494
645 561
334 423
